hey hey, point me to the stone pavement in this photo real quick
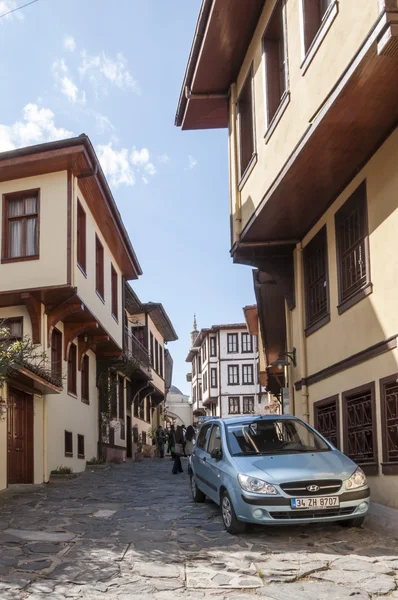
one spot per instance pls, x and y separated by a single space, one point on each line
132 532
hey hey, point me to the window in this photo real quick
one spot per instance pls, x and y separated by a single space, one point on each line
233 375
194 367
86 380
194 395
203 436
121 398
204 351
160 360
275 60
72 368
81 237
233 343
247 342
114 292
389 416
215 439
122 431
68 443
152 350
234 405
99 268
143 436
129 393
139 333
316 282
56 354
156 356
80 446
326 419
204 381
199 364
21 226
213 378
14 327
360 442
353 249
247 374
148 410
314 13
245 124
200 392
248 404
213 346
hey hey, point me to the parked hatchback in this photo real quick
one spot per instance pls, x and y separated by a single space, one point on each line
275 470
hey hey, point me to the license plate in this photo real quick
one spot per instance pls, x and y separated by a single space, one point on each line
316 503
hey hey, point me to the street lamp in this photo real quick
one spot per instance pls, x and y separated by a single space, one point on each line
283 360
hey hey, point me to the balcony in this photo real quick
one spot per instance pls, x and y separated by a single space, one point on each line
189 377
137 351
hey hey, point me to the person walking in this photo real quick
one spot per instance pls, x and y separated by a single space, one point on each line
189 440
160 440
178 450
171 441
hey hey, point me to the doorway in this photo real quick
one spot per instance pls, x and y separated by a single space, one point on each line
20 437
129 448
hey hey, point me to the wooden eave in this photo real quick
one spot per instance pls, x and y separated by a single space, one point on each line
251 316
77 156
359 114
161 320
223 34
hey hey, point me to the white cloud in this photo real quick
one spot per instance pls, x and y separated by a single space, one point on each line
67 86
116 165
69 43
6 6
102 123
102 70
164 158
150 169
192 162
37 126
140 157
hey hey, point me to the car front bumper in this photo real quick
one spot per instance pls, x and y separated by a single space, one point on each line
277 510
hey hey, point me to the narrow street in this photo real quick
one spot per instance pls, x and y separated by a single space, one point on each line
132 531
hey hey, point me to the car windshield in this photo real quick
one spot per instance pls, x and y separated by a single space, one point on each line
273 436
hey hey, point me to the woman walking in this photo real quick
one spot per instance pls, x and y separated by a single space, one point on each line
160 441
189 440
178 450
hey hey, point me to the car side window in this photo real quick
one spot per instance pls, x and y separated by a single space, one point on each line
202 438
215 439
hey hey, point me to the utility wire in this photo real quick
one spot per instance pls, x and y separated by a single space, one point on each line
18 8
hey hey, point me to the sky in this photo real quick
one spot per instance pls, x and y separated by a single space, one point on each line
114 70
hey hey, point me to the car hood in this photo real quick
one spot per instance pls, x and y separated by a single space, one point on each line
283 468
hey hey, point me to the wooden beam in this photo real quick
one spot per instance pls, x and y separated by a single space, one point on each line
91 343
34 309
73 330
59 313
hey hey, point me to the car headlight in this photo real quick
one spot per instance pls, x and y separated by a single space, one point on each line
258 486
357 479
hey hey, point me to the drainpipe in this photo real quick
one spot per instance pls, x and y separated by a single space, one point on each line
234 167
302 355
289 342
206 96
44 399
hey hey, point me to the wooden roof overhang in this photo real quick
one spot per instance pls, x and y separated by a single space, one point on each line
251 317
359 114
77 156
223 33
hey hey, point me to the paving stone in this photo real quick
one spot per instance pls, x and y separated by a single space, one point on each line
42 548
40 536
42 586
354 564
306 590
156 570
35 565
373 583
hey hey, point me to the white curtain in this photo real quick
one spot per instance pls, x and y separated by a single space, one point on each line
18 208
30 206
31 237
15 239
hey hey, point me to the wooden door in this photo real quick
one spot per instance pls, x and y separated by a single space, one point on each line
20 437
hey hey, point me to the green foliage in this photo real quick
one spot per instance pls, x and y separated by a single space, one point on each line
95 461
61 470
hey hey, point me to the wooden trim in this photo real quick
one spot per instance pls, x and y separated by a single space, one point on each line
388 468
249 75
59 313
73 330
91 343
40 289
114 294
285 101
247 172
321 403
351 361
34 309
14 196
69 229
355 298
317 325
320 35
370 468
81 237
99 269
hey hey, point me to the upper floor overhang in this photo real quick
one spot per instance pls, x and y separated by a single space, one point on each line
251 317
223 34
77 156
357 116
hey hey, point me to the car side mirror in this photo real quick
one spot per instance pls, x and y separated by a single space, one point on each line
216 454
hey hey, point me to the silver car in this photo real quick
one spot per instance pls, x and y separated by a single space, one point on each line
275 470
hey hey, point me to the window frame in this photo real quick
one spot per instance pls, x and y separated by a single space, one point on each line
229 336
213 346
373 467
321 404
85 380
114 294
204 379
80 437
236 370
245 172
309 48
234 400
99 269
245 336
23 194
4 321
247 398
204 352
250 368
72 370
355 200
388 466
81 238
319 239
213 380
68 439
56 366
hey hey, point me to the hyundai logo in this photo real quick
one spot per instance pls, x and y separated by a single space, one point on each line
313 488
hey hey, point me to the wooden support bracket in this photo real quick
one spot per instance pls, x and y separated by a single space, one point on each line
73 330
91 343
59 313
34 309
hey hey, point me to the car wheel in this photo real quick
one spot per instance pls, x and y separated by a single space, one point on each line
358 522
197 494
231 523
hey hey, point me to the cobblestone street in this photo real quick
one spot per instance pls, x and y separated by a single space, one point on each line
132 532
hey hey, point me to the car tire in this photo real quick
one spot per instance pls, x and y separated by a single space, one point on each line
357 522
197 494
231 523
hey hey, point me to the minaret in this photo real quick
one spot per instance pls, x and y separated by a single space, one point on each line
194 332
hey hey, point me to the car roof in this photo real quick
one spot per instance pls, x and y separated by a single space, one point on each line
248 419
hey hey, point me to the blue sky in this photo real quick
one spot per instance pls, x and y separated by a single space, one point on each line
114 71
